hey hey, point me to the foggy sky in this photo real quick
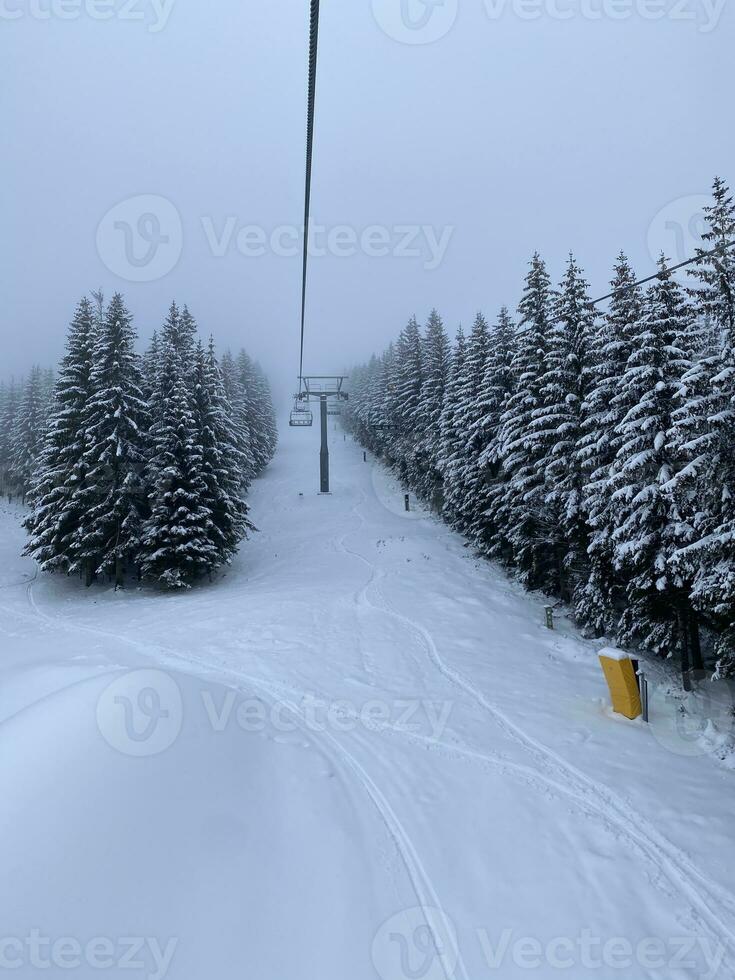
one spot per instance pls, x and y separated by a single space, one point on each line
507 133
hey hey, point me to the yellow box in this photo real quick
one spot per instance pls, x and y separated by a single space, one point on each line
620 676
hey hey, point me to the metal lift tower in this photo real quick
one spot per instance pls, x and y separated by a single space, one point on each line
321 388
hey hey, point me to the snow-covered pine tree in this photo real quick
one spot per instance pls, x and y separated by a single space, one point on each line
259 414
149 368
490 524
177 540
109 496
8 412
187 335
407 398
237 400
222 463
453 437
355 418
385 407
27 436
47 388
521 454
54 517
435 369
268 437
173 354
470 416
705 439
715 295
557 429
598 602
647 525
372 413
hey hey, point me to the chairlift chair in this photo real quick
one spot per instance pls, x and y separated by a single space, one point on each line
301 415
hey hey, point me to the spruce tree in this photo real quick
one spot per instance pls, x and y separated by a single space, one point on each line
406 392
177 539
237 398
27 436
109 496
715 296
450 457
435 369
490 523
149 368
470 417
269 434
8 413
55 515
705 431
259 414
647 524
557 428
520 452
385 407
222 463
598 601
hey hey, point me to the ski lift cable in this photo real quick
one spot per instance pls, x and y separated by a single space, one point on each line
657 275
313 53
311 104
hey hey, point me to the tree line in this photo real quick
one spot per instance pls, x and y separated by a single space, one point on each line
591 452
136 465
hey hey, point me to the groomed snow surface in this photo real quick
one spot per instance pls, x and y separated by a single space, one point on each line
359 754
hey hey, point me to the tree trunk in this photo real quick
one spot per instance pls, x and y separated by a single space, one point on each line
684 642
119 576
88 573
695 642
561 578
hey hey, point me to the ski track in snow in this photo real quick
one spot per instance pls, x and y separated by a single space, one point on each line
588 794
421 883
553 774
549 771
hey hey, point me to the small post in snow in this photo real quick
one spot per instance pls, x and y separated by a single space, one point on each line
407 501
550 617
643 682
364 457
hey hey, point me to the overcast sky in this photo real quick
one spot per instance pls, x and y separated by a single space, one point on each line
155 146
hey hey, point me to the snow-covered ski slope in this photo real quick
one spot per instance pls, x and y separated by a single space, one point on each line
360 754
